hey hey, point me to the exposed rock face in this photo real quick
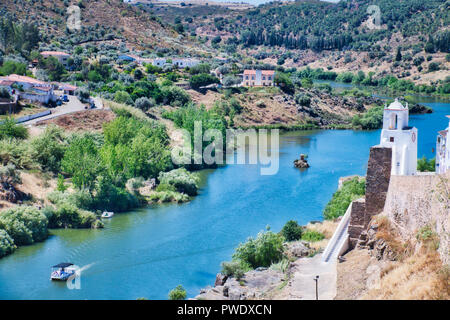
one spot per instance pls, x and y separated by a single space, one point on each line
297 249
254 285
378 248
301 163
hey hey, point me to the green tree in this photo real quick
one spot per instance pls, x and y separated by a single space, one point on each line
82 161
291 231
179 293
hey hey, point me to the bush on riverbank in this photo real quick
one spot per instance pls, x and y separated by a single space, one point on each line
24 224
181 179
371 119
179 293
235 269
350 191
7 245
291 231
264 250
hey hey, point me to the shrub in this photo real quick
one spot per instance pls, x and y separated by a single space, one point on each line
181 179
351 190
235 269
4 93
291 231
284 82
123 97
265 249
9 175
174 96
10 129
202 79
312 236
144 103
303 99
82 94
168 196
16 152
371 119
425 165
179 293
24 224
6 243
49 147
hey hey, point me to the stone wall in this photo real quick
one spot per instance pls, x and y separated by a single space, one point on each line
414 202
377 180
377 184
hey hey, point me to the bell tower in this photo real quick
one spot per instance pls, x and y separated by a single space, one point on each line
397 134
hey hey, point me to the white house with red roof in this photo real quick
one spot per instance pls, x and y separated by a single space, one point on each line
29 88
62 57
258 78
443 150
402 138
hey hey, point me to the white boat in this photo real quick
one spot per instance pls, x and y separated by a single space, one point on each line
107 214
62 271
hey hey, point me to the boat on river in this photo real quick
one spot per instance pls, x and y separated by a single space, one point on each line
62 271
107 214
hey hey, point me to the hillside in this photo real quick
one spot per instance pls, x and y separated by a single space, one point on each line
100 20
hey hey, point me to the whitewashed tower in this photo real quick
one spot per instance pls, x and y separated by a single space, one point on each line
396 134
443 150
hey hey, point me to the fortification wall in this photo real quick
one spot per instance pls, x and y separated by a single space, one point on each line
413 202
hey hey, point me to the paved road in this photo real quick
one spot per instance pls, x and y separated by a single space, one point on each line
73 105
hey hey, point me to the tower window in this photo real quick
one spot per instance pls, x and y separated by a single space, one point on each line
391 139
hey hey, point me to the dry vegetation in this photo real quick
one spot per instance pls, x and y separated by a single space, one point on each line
90 120
416 273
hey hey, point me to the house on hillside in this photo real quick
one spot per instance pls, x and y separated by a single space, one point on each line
258 78
29 88
133 57
68 89
62 57
185 62
443 150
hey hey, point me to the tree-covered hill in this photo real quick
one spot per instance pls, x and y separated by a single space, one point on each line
101 20
321 25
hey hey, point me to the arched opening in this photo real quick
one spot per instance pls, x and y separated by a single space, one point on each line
394 122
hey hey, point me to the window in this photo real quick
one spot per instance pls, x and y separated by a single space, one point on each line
264 78
246 77
269 78
253 77
391 139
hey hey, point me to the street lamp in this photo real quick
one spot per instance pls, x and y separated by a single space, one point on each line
316 279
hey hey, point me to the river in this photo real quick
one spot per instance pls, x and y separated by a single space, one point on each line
147 252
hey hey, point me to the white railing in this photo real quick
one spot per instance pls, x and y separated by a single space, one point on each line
339 241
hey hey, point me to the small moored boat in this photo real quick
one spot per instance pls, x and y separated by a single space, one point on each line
62 271
107 214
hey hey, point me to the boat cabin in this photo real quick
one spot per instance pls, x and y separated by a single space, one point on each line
62 271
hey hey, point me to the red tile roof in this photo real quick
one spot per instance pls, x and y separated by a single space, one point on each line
263 72
54 53
443 133
17 78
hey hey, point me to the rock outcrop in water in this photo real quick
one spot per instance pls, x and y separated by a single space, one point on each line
301 163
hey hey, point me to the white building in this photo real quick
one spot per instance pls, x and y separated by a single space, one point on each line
159 62
443 151
396 134
185 62
62 57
